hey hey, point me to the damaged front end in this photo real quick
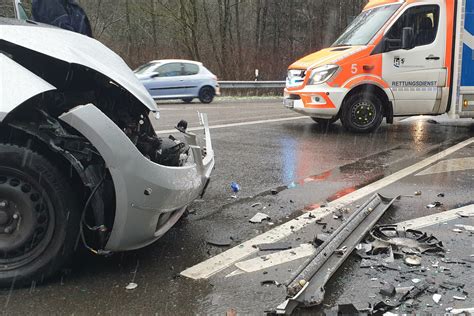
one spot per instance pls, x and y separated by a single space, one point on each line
75 102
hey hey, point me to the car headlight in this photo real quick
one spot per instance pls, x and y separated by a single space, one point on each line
322 74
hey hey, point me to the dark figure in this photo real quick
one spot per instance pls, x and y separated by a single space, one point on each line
66 14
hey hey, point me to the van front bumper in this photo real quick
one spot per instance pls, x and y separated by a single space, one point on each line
150 198
315 101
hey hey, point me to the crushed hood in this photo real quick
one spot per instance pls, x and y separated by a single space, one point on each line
74 48
326 56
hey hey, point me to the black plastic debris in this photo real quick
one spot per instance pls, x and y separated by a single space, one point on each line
219 242
434 204
404 241
182 126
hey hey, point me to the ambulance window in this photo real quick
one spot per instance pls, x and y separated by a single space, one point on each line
423 19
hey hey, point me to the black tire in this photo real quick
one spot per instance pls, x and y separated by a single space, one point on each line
206 95
188 100
362 113
41 214
325 122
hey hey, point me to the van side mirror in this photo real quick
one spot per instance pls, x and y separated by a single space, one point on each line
408 38
155 74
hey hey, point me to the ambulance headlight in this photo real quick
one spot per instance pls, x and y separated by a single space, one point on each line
322 74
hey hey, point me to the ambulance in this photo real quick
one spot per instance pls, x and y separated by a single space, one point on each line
397 58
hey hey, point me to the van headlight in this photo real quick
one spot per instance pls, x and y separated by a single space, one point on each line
322 74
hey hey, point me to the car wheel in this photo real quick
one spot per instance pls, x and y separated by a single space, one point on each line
325 122
362 113
187 100
39 217
206 95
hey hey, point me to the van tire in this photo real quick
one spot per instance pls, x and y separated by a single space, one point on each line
362 113
206 95
38 207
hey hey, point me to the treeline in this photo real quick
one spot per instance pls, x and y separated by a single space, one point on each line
231 37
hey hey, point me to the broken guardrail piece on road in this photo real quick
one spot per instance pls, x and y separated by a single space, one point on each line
306 289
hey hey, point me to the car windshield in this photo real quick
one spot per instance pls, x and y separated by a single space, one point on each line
366 25
147 68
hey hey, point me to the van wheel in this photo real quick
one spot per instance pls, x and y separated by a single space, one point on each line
39 217
362 113
206 95
325 122
187 100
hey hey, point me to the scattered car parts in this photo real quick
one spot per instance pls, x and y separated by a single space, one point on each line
307 287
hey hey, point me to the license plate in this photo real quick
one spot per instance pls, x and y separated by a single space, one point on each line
289 103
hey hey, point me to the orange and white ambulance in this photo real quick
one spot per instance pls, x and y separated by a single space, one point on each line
397 58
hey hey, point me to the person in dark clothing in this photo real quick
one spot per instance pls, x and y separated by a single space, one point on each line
66 14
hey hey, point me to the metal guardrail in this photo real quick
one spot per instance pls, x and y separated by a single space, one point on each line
252 84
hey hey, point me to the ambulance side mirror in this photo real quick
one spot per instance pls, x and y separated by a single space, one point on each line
408 38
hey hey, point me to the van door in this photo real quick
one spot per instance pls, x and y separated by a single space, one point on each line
417 76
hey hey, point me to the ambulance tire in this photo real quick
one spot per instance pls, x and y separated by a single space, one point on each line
362 113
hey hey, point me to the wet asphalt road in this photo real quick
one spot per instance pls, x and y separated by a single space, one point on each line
323 164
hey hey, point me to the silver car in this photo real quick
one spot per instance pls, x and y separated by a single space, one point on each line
178 79
79 157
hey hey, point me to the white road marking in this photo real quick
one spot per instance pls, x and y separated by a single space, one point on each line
237 124
226 259
450 165
434 219
306 250
264 262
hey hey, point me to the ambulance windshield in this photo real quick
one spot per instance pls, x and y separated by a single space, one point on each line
366 25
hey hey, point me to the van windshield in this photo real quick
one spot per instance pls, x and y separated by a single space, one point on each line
366 25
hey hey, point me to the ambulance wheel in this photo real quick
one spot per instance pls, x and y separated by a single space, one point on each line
325 122
362 113
39 217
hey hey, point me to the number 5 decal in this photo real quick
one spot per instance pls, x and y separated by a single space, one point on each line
354 68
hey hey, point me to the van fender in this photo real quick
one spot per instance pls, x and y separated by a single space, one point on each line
371 80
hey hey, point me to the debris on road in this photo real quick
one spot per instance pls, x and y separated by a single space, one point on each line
259 217
270 282
408 241
466 311
235 187
436 298
465 227
388 290
460 298
413 260
274 246
417 193
131 286
256 204
441 195
306 288
220 242
434 204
